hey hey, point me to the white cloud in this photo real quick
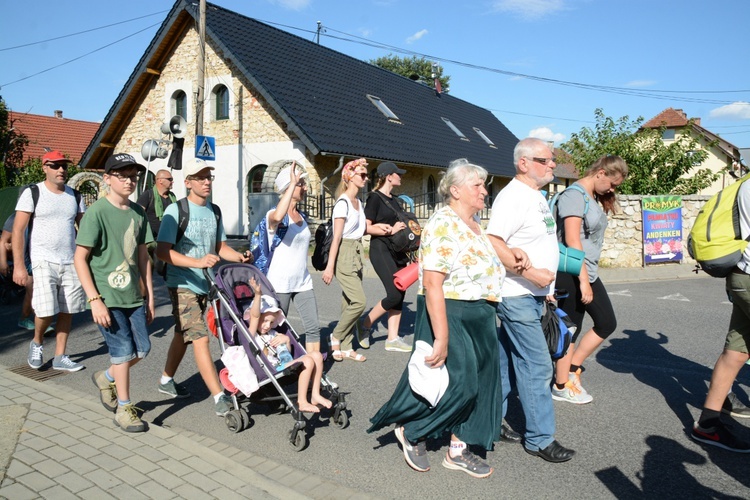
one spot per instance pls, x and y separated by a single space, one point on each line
739 110
292 4
640 83
365 32
546 134
529 9
416 36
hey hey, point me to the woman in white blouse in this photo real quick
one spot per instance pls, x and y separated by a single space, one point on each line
345 258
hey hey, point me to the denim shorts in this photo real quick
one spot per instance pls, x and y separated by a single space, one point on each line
127 335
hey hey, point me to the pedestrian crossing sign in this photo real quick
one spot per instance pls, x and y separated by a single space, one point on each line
205 147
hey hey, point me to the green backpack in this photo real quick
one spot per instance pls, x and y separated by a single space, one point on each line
715 240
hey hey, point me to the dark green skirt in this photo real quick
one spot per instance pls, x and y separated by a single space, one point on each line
471 406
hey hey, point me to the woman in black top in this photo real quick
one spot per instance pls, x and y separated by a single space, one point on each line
382 222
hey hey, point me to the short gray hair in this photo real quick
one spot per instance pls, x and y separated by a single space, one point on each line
526 148
459 171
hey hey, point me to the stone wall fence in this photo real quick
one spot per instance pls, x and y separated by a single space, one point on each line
623 241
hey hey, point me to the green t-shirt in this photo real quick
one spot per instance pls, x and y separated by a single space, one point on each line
113 235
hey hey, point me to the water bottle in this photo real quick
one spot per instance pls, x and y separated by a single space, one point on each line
285 357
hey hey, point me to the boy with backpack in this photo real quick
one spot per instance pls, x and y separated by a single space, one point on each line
191 238
111 259
709 429
53 208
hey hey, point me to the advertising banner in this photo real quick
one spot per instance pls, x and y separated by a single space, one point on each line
662 229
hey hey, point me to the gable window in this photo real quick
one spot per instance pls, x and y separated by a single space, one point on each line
382 107
485 138
221 102
668 134
455 129
179 104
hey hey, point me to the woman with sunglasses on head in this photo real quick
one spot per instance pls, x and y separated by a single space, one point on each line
581 223
287 271
382 222
345 258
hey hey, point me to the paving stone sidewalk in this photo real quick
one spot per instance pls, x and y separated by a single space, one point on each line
58 443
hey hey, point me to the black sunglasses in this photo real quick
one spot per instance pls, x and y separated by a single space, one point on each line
57 166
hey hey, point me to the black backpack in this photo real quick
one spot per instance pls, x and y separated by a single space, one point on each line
323 239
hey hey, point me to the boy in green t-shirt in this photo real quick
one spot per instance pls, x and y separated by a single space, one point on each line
111 259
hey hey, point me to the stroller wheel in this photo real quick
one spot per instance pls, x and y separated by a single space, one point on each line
299 442
341 420
234 421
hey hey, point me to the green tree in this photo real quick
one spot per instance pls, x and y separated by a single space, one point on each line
416 68
32 172
654 167
12 146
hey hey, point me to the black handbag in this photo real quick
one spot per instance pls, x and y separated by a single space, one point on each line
408 239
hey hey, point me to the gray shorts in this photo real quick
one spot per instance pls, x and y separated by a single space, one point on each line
56 289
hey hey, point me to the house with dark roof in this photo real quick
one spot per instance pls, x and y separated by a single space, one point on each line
724 157
271 95
47 133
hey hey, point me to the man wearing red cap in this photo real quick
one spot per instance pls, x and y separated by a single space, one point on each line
57 291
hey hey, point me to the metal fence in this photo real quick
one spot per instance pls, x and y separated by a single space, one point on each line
423 206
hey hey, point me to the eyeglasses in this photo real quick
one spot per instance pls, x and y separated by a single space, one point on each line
168 179
57 166
202 178
301 183
122 178
543 161
363 175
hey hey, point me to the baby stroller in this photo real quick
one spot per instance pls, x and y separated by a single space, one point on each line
229 295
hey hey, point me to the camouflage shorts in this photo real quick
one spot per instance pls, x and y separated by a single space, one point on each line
188 310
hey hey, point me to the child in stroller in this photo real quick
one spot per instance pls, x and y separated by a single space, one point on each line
263 316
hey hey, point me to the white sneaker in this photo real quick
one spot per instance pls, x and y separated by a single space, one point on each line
571 394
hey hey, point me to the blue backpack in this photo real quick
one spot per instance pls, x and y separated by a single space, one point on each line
259 246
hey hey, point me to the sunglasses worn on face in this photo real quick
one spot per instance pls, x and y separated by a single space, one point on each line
57 166
168 179
363 175
544 161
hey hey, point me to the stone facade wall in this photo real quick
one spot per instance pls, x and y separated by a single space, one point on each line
623 240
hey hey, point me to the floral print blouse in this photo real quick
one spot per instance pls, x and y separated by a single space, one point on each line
472 268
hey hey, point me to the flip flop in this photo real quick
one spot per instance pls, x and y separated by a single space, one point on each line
354 356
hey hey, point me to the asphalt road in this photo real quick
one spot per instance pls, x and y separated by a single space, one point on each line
648 382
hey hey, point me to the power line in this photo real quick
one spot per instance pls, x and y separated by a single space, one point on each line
649 94
80 32
79 57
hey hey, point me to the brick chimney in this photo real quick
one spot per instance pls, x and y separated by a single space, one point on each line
58 113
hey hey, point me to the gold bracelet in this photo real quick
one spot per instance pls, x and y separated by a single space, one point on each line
92 299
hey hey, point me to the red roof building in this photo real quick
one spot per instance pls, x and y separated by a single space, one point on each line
45 133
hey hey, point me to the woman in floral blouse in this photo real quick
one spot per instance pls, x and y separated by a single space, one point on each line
460 277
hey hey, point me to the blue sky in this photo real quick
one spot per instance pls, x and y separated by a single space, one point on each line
698 49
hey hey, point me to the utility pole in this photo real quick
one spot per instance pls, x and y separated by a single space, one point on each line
320 30
201 70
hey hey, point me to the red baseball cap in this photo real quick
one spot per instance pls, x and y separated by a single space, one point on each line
54 156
